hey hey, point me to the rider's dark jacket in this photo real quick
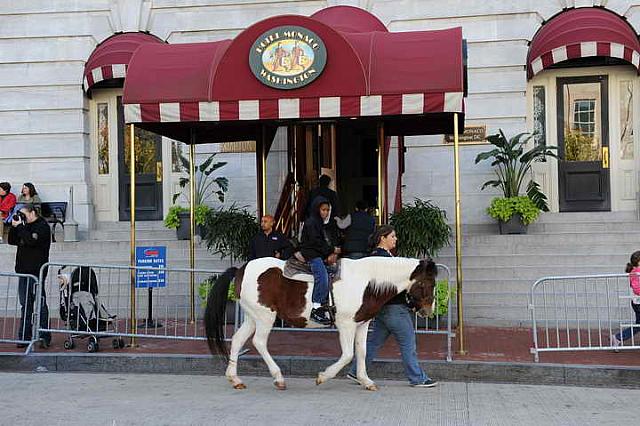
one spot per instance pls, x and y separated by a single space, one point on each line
315 241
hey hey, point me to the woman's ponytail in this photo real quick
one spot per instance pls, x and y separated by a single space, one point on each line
633 262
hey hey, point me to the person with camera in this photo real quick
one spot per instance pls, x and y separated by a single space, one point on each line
31 234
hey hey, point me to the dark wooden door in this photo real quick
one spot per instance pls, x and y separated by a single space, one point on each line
583 143
148 169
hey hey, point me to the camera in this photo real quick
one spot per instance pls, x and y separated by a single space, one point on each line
19 217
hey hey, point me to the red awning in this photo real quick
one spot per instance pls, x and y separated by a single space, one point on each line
369 72
580 33
110 58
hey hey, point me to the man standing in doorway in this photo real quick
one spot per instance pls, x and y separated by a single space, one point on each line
31 234
269 242
327 193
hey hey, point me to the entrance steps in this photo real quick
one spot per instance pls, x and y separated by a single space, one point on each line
499 270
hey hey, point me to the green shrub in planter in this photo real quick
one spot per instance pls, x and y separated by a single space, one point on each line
443 294
172 220
205 286
421 228
228 232
503 209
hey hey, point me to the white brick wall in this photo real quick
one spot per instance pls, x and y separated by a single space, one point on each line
44 116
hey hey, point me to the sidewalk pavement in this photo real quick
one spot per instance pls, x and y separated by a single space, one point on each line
131 399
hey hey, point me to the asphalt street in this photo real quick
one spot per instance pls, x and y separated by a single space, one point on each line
129 399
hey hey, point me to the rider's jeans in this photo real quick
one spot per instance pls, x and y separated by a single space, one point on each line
320 280
396 320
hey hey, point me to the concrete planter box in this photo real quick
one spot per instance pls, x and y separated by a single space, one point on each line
183 231
513 226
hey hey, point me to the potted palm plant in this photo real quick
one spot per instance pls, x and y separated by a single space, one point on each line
206 187
512 165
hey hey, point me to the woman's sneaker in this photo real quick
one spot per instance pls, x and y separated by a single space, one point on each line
615 343
429 383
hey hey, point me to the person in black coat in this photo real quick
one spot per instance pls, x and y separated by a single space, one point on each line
327 193
269 242
317 247
31 234
359 227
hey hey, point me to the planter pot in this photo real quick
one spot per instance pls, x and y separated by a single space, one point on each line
513 226
183 231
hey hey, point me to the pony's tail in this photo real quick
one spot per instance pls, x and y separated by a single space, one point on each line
215 313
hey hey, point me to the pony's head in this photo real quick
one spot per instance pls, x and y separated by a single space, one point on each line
422 291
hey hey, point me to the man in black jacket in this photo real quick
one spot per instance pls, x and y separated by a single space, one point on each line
327 193
31 234
269 242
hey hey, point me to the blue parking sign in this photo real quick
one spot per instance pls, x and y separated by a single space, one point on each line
155 257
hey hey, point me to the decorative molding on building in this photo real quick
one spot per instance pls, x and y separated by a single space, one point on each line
130 15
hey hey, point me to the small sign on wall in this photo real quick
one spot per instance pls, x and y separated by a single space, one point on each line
472 134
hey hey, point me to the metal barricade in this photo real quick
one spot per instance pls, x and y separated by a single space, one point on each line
16 290
581 313
437 325
96 301
441 324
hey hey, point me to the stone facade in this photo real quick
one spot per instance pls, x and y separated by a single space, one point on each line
48 126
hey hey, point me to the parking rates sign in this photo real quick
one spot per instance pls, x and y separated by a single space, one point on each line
155 257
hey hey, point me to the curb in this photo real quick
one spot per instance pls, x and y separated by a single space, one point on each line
297 366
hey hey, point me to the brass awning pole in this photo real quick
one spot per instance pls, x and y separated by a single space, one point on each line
261 174
192 229
132 208
456 163
382 177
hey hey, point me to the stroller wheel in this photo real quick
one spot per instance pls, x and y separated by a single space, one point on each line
69 344
115 343
121 343
93 346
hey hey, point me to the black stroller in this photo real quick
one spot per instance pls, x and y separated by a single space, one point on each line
81 311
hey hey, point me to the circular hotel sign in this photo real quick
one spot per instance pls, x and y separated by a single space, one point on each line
288 57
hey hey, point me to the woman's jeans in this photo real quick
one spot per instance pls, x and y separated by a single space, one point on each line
628 332
320 280
396 320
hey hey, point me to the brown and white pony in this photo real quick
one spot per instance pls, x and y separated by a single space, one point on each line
363 287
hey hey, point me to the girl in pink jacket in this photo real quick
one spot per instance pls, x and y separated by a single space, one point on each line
633 269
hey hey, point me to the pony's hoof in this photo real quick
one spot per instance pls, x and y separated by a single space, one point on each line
280 385
319 380
239 386
372 387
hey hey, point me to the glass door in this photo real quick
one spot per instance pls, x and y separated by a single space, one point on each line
583 143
